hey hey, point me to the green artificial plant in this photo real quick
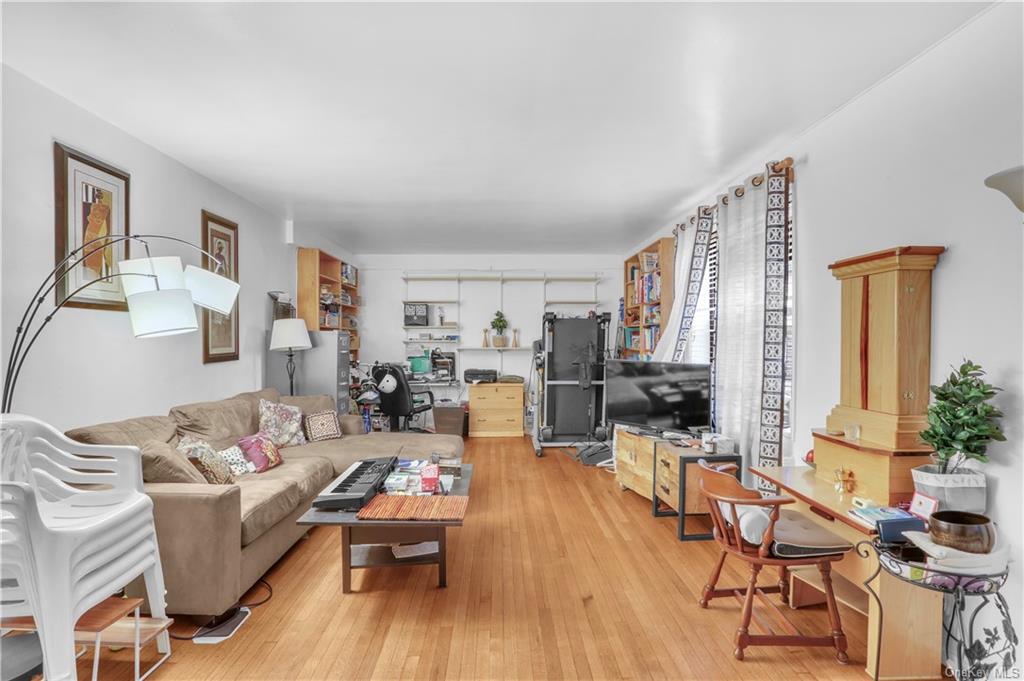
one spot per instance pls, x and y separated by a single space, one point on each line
499 323
961 420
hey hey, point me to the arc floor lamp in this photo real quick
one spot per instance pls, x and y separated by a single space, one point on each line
161 297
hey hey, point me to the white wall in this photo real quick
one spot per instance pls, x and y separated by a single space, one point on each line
904 164
383 291
87 367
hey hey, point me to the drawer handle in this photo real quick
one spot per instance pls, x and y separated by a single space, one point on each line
510 420
665 463
818 512
664 488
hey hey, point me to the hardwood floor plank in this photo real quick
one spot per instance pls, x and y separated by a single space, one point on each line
557 574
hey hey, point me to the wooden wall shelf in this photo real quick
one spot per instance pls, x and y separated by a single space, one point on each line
644 318
318 274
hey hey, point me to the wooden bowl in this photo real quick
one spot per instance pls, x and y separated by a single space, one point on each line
970 532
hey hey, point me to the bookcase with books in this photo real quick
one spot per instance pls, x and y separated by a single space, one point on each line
648 280
328 294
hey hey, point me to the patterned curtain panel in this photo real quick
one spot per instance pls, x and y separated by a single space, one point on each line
693 238
749 317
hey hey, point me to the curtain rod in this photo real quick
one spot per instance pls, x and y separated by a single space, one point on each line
757 180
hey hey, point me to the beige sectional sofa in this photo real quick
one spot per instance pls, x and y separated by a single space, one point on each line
216 541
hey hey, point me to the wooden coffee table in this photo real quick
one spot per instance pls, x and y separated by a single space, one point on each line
362 540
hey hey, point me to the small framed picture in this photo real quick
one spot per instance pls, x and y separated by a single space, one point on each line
923 506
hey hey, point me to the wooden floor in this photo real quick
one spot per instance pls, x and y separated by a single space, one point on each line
557 574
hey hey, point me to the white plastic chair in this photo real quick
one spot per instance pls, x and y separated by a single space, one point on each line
19 592
92 535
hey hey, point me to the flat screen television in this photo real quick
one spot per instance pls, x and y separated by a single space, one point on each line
658 395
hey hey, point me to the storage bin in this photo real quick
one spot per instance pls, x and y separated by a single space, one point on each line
450 419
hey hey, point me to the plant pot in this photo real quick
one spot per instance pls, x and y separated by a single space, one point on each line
964 490
500 341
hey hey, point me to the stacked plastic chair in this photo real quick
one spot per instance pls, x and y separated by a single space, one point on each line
90 531
19 592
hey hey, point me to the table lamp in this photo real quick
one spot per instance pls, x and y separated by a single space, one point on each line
289 335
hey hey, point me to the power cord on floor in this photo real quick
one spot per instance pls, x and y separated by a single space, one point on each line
209 622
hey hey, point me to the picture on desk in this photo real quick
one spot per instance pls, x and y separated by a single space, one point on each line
659 395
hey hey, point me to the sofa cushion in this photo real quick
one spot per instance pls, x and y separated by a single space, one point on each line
217 421
163 463
215 469
282 423
135 432
343 452
408 445
321 425
311 474
253 398
261 451
266 500
309 404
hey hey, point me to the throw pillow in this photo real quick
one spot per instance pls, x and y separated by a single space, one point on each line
323 425
213 467
161 463
283 424
261 451
236 461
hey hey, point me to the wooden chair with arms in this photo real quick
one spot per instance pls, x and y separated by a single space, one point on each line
756 530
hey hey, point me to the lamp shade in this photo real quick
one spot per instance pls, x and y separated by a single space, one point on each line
166 268
210 290
289 334
1011 183
161 313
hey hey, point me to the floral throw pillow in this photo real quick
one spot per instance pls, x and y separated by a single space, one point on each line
213 467
283 424
236 461
261 451
322 425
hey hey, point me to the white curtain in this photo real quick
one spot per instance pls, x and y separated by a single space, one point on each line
740 333
684 250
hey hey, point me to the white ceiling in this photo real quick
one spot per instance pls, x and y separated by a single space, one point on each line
463 127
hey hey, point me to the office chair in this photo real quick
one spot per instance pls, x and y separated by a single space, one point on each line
396 397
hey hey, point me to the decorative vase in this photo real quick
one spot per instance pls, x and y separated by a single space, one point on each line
964 490
487 338
515 338
500 340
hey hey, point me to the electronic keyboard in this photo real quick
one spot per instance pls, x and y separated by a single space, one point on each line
354 488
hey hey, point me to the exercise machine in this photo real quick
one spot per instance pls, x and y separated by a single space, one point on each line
569 394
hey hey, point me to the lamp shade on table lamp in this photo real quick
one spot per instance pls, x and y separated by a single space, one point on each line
290 334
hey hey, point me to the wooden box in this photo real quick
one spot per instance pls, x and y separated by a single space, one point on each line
496 410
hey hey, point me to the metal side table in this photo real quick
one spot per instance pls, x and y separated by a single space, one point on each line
960 628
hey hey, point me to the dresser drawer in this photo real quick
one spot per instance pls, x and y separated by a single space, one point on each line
666 478
489 396
496 423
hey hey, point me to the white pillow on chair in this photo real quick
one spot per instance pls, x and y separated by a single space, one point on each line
754 521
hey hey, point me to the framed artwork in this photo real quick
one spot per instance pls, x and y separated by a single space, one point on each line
220 332
91 202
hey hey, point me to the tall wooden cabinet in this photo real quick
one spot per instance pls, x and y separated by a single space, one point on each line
886 344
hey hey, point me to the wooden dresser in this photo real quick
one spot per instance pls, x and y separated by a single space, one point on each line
496 410
634 462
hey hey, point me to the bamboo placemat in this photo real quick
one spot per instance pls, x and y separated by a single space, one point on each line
394 507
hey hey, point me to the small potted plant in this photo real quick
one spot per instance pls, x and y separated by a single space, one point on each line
961 424
499 324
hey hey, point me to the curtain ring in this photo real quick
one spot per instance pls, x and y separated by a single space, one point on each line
757 180
739 192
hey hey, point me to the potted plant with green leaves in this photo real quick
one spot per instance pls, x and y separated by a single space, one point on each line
962 422
499 324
